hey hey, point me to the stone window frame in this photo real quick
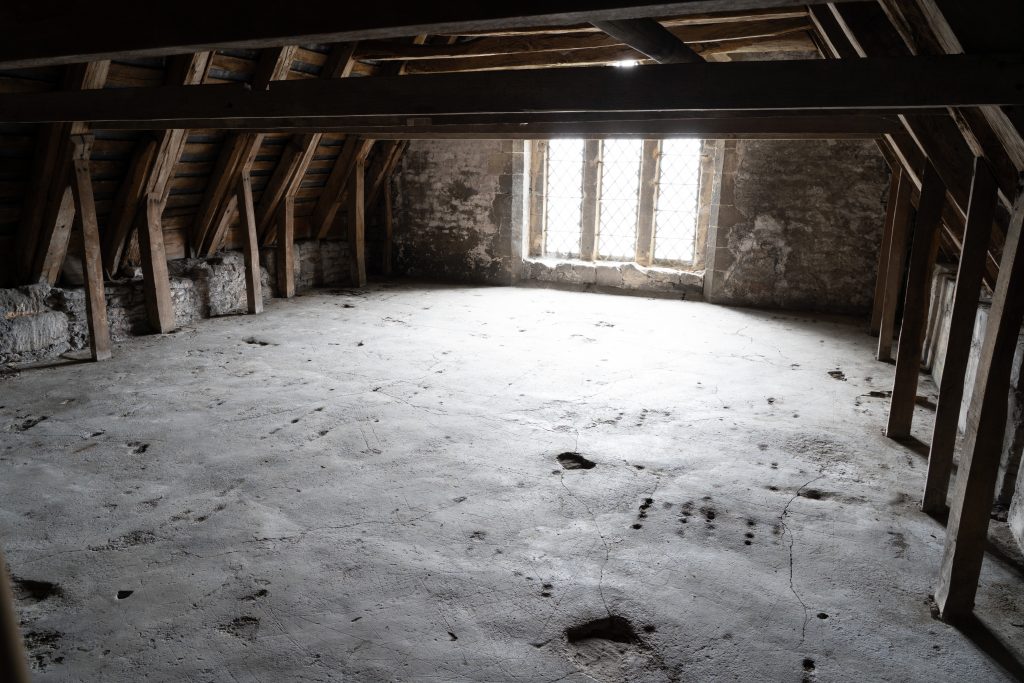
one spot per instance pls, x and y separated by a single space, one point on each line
537 152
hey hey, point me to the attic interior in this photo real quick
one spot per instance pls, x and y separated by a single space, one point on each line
563 341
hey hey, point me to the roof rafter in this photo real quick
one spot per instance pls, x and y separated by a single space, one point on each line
32 36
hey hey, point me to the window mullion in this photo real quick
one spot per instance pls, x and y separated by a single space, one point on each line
591 198
538 194
645 210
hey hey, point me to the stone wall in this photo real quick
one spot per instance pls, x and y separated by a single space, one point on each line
459 211
40 322
796 224
317 264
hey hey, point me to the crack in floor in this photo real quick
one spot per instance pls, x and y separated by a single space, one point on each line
786 530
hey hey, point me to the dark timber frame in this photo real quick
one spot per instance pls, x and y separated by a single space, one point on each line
923 78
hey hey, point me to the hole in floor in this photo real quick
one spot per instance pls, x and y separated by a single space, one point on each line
614 628
571 460
121 595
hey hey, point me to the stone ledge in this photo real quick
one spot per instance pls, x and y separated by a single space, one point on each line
614 277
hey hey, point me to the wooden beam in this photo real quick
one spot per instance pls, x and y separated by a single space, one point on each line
300 151
30 37
286 248
590 213
833 42
872 34
984 26
647 201
895 266
13 660
288 173
126 204
389 234
237 156
59 221
961 332
389 158
383 51
151 168
878 304
251 249
726 17
887 83
610 55
915 304
332 195
974 490
722 125
46 223
210 216
357 223
92 261
155 280
649 37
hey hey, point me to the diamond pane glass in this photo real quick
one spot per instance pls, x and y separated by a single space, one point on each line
675 216
620 187
563 198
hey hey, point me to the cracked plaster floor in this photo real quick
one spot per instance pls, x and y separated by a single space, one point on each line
365 487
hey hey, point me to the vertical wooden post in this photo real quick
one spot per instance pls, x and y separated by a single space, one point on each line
590 212
895 267
92 258
357 223
389 232
155 281
13 662
974 490
915 304
883 253
247 215
645 208
961 330
286 248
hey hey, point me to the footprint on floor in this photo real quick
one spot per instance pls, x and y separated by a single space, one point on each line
27 423
29 590
245 628
610 648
